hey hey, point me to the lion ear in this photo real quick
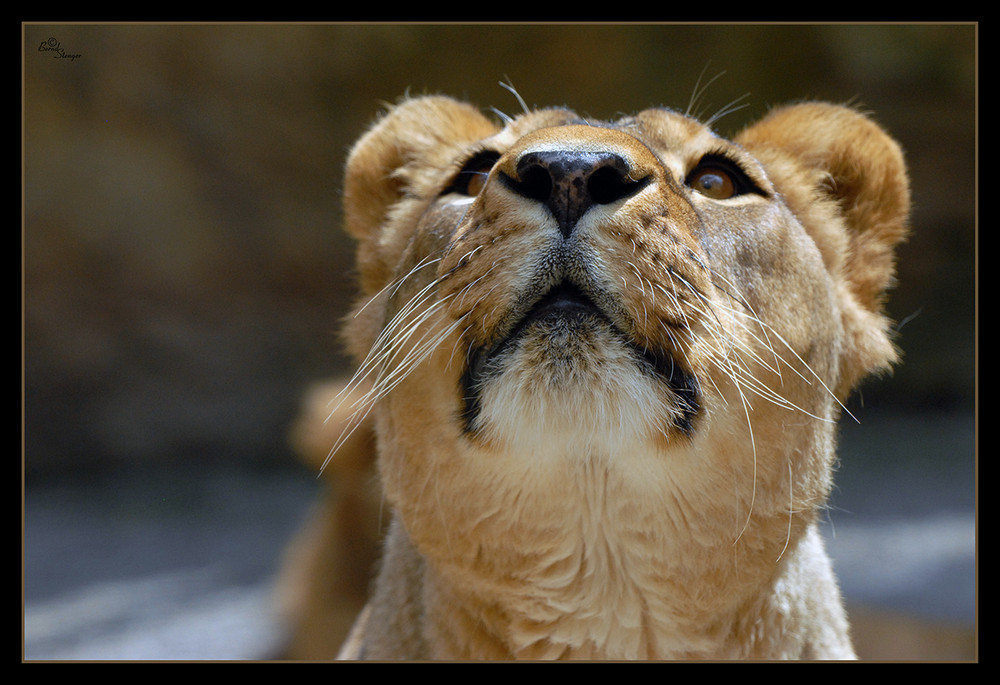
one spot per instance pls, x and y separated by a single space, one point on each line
846 181
385 165
411 131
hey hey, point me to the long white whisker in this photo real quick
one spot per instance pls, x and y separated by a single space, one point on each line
791 511
813 373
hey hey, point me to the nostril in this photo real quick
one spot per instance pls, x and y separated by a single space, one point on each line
611 183
535 182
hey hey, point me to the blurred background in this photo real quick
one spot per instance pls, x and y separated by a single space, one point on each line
183 275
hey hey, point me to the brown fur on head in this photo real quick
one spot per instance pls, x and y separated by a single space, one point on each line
606 360
855 209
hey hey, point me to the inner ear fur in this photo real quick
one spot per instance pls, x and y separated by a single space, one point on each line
846 181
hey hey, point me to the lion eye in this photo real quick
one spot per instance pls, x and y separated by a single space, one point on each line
718 177
712 182
476 181
471 179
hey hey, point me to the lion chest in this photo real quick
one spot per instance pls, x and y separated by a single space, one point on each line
584 564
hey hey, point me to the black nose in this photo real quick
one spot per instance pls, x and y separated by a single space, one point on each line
570 182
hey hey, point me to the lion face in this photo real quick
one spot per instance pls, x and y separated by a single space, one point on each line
637 318
615 272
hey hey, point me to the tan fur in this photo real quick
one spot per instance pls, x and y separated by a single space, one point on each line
641 481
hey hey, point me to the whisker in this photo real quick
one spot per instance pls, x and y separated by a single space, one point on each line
404 343
791 512
513 91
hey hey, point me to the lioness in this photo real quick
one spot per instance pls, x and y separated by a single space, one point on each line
603 363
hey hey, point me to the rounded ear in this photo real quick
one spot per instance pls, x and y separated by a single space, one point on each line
846 181
408 132
405 148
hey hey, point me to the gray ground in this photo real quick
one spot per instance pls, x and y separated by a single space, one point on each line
178 565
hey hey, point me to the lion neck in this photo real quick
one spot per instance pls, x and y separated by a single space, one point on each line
596 561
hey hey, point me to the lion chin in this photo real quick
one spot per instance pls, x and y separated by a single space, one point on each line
600 367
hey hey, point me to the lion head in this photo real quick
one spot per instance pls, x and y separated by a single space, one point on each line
605 361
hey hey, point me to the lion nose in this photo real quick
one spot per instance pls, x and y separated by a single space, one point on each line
569 182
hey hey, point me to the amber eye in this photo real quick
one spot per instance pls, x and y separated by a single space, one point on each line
720 177
471 179
713 182
476 181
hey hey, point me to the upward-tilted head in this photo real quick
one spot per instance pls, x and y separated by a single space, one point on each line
603 363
